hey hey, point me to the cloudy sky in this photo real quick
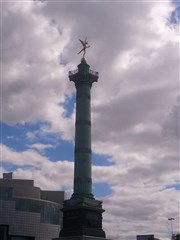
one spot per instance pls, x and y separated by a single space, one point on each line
135 104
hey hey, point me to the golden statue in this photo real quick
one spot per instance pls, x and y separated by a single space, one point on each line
85 46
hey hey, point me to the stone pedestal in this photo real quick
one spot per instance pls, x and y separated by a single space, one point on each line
82 216
83 237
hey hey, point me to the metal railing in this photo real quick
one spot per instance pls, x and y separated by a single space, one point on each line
93 72
73 72
76 71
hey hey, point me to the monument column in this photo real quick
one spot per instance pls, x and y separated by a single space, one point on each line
82 213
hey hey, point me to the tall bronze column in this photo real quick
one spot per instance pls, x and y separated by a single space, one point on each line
82 214
83 80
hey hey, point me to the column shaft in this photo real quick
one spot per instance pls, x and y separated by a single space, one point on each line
82 170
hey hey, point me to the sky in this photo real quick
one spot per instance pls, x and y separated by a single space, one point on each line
135 104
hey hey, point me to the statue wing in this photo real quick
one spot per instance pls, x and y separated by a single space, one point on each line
82 42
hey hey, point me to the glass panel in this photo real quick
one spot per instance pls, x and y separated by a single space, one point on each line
3 232
50 212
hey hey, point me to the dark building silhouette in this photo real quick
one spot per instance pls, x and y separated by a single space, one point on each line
27 212
145 237
176 236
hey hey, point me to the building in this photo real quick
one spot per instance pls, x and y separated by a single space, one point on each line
145 237
27 212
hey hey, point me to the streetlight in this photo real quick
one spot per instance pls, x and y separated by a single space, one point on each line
171 219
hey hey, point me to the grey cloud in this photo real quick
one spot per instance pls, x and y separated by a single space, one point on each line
171 123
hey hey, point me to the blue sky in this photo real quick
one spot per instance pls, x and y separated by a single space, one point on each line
135 104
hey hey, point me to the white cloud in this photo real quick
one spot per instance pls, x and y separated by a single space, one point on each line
40 146
30 135
30 164
33 80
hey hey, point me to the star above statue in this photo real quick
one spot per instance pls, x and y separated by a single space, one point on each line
85 46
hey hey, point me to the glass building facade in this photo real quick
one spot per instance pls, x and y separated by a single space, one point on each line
27 213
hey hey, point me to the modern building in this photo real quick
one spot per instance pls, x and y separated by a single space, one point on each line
27 212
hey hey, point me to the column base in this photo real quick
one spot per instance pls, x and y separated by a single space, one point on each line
82 217
83 237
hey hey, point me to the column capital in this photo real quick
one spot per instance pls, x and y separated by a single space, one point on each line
83 75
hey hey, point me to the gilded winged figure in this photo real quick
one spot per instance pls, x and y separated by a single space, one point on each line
85 46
